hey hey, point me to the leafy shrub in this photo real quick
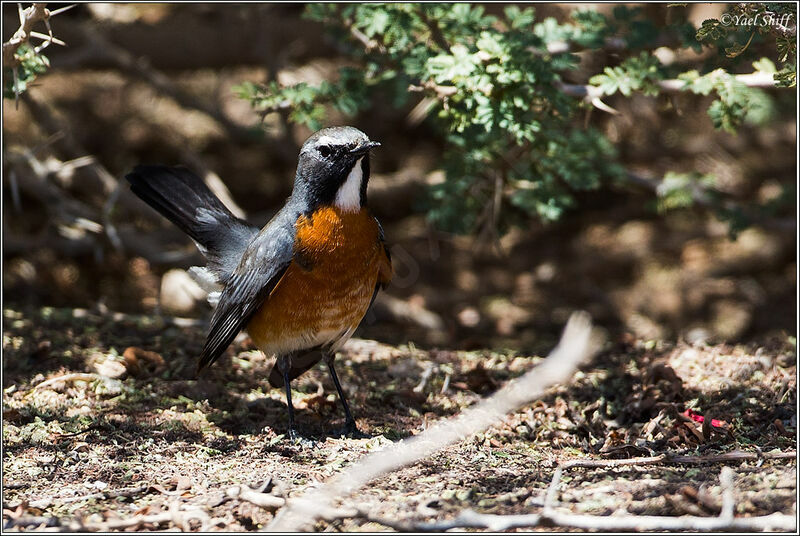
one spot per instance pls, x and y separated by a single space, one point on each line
494 86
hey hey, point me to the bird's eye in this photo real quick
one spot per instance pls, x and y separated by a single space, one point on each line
325 150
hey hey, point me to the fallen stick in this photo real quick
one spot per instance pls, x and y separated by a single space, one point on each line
110 494
496 523
72 377
263 500
615 523
666 457
576 345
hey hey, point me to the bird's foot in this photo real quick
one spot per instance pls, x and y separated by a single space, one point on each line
297 439
350 430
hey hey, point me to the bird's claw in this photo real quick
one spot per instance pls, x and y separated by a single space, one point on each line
297 439
350 430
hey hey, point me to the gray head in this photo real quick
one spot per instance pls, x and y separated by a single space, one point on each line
333 169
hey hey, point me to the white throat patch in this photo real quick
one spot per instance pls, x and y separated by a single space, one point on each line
348 198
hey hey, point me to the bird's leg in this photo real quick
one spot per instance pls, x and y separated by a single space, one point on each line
349 429
284 364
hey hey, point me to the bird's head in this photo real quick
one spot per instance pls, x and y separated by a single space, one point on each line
333 169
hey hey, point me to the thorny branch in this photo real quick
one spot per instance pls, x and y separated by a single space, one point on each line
28 19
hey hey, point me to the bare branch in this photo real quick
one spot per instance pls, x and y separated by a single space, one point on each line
73 377
361 37
110 494
496 523
266 501
67 143
734 456
49 38
577 343
728 500
593 94
61 10
71 218
758 79
27 20
549 516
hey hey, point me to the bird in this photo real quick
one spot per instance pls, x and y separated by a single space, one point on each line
302 283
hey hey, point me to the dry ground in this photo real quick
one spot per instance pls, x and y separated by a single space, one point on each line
135 433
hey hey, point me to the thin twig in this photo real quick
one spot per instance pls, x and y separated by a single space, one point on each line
757 79
735 456
426 374
175 515
266 501
67 143
496 523
48 38
72 377
110 494
577 343
108 224
551 497
213 181
369 44
728 499
60 10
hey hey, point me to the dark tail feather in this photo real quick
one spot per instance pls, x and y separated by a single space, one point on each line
184 199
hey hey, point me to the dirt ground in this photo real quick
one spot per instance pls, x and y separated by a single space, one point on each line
103 420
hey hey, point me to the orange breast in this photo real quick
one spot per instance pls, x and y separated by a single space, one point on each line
327 289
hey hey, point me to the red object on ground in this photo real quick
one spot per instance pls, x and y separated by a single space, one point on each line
697 417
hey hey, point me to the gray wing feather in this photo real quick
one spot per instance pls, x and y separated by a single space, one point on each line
261 266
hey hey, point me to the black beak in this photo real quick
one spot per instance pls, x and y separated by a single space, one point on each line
362 149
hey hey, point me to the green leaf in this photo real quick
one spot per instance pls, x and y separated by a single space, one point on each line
764 65
711 30
786 77
30 66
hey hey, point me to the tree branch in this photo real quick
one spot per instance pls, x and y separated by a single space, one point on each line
28 19
436 32
589 92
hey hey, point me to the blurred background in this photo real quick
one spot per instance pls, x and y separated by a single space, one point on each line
155 83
